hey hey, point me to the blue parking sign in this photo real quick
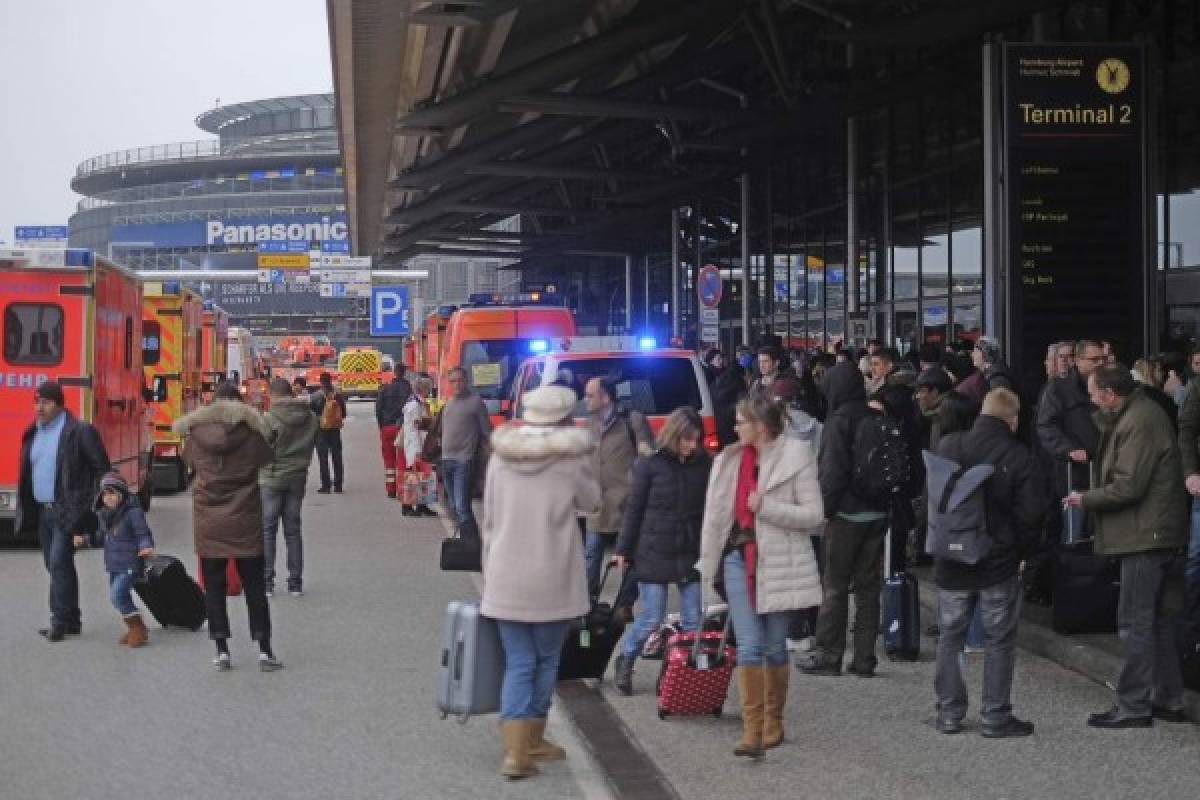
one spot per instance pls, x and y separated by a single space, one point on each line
389 311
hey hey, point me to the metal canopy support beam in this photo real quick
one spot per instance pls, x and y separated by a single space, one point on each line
670 19
537 211
562 104
475 13
628 292
674 272
745 258
525 169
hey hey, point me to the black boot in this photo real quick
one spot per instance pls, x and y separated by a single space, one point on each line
408 511
623 675
425 511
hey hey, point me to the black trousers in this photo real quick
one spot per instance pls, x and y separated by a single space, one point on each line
329 447
254 586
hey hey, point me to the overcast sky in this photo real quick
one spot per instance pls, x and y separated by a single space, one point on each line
81 78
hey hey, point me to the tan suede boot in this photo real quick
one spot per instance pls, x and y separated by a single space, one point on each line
774 700
138 635
128 630
517 763
540 748
750 681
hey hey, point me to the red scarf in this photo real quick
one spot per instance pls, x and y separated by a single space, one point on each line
747 482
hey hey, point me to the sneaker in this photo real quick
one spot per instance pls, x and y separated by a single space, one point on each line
268 663
223 663
392 495
426 511
821 667
1009 729
861 672
1169 714
296 592
949 726
55 633
324 490
972 650
1111 719
337 490
270 592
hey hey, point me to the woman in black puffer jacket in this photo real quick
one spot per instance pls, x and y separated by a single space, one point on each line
660 535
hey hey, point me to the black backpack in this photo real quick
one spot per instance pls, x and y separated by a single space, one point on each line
882 460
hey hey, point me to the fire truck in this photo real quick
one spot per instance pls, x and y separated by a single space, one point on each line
172 354
214 351
76 318
246 368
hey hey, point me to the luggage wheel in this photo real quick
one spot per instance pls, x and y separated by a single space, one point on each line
662 714
718 711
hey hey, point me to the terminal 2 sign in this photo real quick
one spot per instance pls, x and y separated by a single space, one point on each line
1075 198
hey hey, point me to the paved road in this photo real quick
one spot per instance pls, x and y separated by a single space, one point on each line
352 715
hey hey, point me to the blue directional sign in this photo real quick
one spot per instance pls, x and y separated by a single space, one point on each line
389 311
335 247
30 233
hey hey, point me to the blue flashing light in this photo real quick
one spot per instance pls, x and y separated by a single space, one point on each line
647 343
538 345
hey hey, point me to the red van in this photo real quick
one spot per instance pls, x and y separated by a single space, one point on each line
76 318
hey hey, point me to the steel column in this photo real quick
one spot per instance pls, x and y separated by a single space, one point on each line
674 272
628 292
745 258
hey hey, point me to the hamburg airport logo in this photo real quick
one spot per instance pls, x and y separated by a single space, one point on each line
1113 75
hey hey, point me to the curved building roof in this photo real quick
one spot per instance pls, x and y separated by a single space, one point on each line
213 121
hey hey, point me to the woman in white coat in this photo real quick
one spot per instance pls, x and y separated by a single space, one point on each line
763 502
415 429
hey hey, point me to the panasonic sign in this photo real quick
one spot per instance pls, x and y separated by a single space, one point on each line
220 232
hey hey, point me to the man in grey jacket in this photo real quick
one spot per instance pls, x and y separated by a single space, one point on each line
282 482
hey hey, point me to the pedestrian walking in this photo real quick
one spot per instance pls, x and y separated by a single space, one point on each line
763 503
1014 504
1140 518
465 431
882 363
417 420
330 407
292 436
660 535
225 445
729 388
772 366
854 531
538 479
300 386
127 540
62 460
389 413
620 437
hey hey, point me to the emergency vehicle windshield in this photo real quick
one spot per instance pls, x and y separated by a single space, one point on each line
491 365
648 384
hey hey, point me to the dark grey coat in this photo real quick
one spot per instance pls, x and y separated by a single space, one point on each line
661 529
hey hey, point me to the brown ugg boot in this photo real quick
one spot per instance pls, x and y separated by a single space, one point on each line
540 748
750 681
138 635
517 763
774 699
124 640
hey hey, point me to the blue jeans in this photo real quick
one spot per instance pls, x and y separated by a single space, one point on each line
760 637
975 629
1191 568
285 504
652 609
531 654
120 588
456 475
59 556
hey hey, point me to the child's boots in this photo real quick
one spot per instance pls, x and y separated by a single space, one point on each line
137 634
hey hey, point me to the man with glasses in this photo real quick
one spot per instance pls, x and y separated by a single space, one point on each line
1064 421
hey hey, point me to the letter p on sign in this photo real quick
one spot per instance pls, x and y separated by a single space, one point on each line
389 311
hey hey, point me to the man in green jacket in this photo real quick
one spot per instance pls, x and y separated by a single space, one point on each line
293 429
1140 517
1189 452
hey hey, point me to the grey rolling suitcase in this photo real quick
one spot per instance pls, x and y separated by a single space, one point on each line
472 665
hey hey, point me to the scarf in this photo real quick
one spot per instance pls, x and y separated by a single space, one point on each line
747 482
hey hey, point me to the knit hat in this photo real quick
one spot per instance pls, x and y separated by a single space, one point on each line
989 347
113 480
50 390
936 378
547 405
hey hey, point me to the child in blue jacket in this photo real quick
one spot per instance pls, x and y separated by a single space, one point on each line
127 540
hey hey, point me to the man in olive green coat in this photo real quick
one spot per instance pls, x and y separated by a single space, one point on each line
1141 518
293 429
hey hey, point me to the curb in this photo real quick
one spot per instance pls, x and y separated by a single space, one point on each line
1090 661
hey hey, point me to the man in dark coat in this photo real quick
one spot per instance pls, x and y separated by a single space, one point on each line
853 535
389 413
1064 420
1015 503
61 463
1140 517
225 445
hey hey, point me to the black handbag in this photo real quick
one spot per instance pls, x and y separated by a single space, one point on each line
462 552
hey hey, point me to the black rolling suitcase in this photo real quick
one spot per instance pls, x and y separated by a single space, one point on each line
1086 590
591 640
170 594
901 609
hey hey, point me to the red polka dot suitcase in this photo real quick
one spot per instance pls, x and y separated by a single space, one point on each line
695 673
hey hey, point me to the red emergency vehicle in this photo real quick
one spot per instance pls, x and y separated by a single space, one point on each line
76 318
214 350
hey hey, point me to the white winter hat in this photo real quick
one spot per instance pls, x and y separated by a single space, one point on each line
547 405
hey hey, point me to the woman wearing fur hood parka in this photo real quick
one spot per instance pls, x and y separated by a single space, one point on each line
225 444
539 480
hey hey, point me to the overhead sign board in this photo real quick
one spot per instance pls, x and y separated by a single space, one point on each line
39 234
283 260
344 261
389 311
1074 157
345 276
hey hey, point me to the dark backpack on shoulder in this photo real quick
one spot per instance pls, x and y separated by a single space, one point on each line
957 510
883 461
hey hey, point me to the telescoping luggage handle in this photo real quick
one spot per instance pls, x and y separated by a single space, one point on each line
1074 520
700 659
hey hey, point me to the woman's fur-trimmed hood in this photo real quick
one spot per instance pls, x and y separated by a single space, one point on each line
536 444
227 413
